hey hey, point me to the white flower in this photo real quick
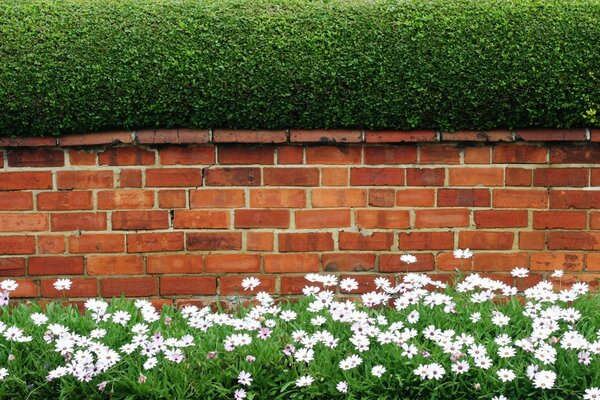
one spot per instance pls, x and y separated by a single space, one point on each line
435 371
9 285
466 253
150 363
475 317
305 380
500 397
288 315
544 379
408 258
350 362
592 393
460 367
63 284
3 373
39 318
239 394
348 284
121 317
244 378
557 273
250 283
520 272
342 387
506 375
413 317
378 371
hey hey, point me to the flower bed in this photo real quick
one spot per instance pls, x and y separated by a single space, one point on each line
420 339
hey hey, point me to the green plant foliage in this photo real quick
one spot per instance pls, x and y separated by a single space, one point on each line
90 65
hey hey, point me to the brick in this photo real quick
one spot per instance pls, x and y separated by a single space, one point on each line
248 136
400 136
377 176
552 261
246 155
232 285
392 263
559 219
439 154
305 242
382 197
174 264
561 177
173 136
130 178
581 199
486 240
516 198
282 263
329 155
593 280
425 176
28 141
126 156
311 219
128 220
356 262
80 287
233 177
366 283
84 179
442 218
390 154
358 241
210 198
518 177
82 157
223 263
520 153
259 241
499 262
290 155
291 176
17 245
463 198
530 281
115 265
326 136
532 240
542 135
53 244
16 201
277 198
57 265
478 136
573 240
62 201
151 242
27 288
91 139
339 197
595 135
108 200
476 176
593 262
35 158
188 285
178 155
262 218
383 219
292 284
174 177
207 219
12 266
172 198
575 154
501 219
129 287
477 155
25 180
213 241
595 220
595 177
78 221
97 243
335 176
447 262
415 197
23 222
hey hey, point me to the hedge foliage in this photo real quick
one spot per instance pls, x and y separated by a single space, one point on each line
90 65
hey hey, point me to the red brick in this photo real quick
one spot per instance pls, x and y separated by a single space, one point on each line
518 177
305 242
335 176
12 266
593 262
82 221
277 198
246 155
178 155
595 220
574 155
207 219
129 287
339 198
22 222
415 197
383 219
84 179
80 287
130 178
172 198
53 244
501 219
567 280
97 243
174 177
541 135
35 158
16 201
248 136
520 153
561 177
478 136
233 177
209 198
27 141
214 241
90 139
499 262
400 136
326 136
486 240
282 263
17 245
595 135
573 240
463 198
259 241
447 262
382 197
82 157
109 200
532 240
392 263
328 155
477 155
292 284
358 241
366 283
584 199
290 155
174 264
390 154
56 265
188 285
355 262
515 198
150 242
232 285
223 263
60 201
559 219
262 218
476 176
25 180
115 265
322 219
126 220
376 176
291 176
439 154
27 288
425 176
552 261
595 177
442 218
173 136
126 156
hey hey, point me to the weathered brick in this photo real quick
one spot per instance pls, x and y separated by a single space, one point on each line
476 176
61 201
172 198
116 199
277 198
442 218
520 153
248 136
328 155
97 243
345 261
479 240
595 220
259 241
559 219
326 135
292 284
128 220
129 287
291 176
231 285
392 263
520 198
23 222
383 219
382 197
223 263
545 134
115 265
26 180
126 156
425 176
561 177
187 285
12 266
569 240
52 244
580 199
593 262
262 218
27 288
80 287
130 178
174 177
339 198
390 154
91 139
78 221
427 241
586 154
214 241
439 154
16 201
477 155
307 219
82 157
499 262
335 176
358 241
84 179
201 219
233 177
447 262
151 242
35 158
282 263
478 136
305 242
290 155
549 261
518 177
377 176
463 198
236 155
501 218
415 197
366 283
177 155
57 265
173 136
174 263
532 240
400 136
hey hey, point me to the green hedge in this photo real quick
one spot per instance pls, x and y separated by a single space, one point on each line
90 65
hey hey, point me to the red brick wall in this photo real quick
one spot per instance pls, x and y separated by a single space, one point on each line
187 214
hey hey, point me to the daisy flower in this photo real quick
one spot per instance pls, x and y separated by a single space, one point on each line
9 285
305 380
592 393
520 272
558 273
342 387
62 284
239 394
378 371
3 373
505 375
348 284
408 258
466 253
244 378
250 283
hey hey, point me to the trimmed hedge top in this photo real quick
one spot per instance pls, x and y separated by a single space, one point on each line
90 65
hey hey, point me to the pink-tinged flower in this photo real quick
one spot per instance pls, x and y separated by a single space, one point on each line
264 333
211 355
250 358
239 394
244 378
102 385
141 379
342 387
